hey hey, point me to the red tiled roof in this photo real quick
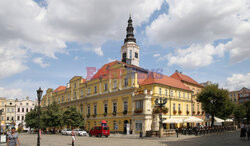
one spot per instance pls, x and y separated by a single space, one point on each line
182 77
60 88
153 78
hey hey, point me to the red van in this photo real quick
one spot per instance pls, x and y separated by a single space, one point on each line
99 131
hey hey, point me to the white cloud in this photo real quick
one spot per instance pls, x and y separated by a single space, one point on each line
76 58
39 60
46 30
156 55
195 56
203 22
11 93
237 81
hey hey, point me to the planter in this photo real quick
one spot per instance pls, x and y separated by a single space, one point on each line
138 111
88 115
114 113
202 112
125 112
193 113
187 112
179 112
198 112
174 112
105 114
94 115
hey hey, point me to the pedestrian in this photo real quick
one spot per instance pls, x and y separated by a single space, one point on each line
242 132
248 131
177 131
12 138
73 137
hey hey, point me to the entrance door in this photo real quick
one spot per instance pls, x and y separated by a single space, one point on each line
125 126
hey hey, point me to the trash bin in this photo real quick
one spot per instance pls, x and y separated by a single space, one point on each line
140 134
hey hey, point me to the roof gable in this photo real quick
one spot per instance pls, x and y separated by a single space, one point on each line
185 78
60 88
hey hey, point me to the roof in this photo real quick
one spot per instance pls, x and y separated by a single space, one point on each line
185 78
60 88
105 70
153 78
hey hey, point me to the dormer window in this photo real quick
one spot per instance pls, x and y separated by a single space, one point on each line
136 55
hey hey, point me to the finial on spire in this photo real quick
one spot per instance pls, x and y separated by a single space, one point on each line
130 31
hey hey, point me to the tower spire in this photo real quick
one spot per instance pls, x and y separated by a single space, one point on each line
130 31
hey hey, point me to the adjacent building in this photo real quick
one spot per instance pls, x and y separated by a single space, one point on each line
244 95
234 96
10 109
2 108
124 94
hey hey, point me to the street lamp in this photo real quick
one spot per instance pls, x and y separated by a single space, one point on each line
160 103
39 95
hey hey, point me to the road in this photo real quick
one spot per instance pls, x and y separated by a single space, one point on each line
226 138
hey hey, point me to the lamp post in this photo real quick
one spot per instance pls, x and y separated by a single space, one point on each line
160 103
39 95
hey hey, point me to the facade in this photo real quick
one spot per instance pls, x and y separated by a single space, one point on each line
124 94
234 96
244 95
22 108
2 107
10 108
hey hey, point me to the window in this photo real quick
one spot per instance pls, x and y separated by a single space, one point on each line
18 118
136 55
179 94
8 110
8 119
115 84
187 107
193 107
81 92
27 110
21 103
188 95
95 89
74 95
75 85
115 125
48 101
105 108
114 107
138 126
22 117
130 54
58 100
198 107
12 118
27 104
22 109
159 91
81 108
10 103
173 106
95 109
172 93
105 86
125 106
89 90
18 110
62 99
139 104
88 109
166 92
68 97
2 103
125 82
179 107
183 95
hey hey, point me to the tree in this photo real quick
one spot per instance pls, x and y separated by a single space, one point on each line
72 118
214 101
52 116
31 119
228 109
247 107
239 113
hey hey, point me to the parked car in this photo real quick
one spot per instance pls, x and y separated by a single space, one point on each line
64 131
68 132
81 132
99 131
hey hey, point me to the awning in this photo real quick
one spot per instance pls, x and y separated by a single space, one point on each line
193 119
218 120
229 120
173 120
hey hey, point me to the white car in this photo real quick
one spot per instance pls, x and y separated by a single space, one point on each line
64 131
82 133
68 132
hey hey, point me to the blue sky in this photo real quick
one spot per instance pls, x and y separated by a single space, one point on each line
46 43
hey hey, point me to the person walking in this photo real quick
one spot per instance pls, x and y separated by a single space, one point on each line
12 138
73 137
242 131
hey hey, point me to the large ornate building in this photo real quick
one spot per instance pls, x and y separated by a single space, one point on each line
123 94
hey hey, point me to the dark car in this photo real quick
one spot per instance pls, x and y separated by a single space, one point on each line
99 131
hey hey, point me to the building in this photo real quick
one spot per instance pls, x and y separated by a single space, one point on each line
244 95
2 108
234 96
207 83
10 108
124 94
22 108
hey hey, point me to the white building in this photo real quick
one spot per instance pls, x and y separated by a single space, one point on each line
23 107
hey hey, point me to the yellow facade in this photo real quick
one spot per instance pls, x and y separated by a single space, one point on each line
122 89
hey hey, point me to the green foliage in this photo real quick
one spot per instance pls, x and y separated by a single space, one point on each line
239 112
52 116
247 107
73 118
215 102
31 118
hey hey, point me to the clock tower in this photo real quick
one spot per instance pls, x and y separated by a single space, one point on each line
130 50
